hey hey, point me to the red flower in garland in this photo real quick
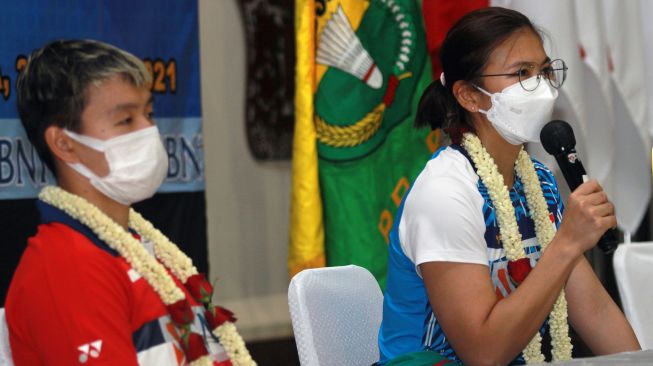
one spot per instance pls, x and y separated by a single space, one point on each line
218 316
199 288
180 312
519 269
194 347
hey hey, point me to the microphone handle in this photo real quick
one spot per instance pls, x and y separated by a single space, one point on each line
575 174
572 169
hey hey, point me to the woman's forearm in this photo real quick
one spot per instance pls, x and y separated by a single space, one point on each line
483 329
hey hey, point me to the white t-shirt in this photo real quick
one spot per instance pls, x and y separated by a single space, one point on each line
443 197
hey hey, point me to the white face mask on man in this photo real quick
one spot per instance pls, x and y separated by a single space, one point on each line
137 161
517 114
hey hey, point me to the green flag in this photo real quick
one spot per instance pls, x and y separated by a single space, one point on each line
376 69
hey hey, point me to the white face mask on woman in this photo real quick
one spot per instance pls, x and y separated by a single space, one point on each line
137 161
518 115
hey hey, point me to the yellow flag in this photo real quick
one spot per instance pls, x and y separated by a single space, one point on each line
361 68
306 248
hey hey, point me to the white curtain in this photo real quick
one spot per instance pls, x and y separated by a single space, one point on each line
605 96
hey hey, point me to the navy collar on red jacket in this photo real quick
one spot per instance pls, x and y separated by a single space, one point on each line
50 214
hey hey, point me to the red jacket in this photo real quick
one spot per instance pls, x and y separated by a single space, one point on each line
74 301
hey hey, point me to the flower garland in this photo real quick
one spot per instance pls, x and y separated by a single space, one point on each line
511 238
116 237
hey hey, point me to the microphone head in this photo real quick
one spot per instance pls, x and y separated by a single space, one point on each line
557 137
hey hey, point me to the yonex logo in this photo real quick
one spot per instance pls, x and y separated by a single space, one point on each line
90 349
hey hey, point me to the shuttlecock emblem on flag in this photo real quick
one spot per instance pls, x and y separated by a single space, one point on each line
374 57
340 47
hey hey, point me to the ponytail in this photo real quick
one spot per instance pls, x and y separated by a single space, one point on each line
439 109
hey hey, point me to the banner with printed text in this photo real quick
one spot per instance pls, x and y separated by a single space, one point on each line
164 34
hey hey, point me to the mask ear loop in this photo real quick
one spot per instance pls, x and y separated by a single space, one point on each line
93 143
84 170
90 142
484 92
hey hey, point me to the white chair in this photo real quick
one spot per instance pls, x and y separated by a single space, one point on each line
633 269
336 313
5 351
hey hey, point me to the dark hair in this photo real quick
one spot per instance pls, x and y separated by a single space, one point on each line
51 89
463 55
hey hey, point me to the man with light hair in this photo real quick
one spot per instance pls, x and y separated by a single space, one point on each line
98 284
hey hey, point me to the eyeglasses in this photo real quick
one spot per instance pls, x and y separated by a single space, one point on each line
555 72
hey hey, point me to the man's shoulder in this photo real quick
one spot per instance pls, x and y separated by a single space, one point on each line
57 238
56 233
54 239
60 259
57 247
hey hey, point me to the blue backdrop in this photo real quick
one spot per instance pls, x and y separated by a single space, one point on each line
164 33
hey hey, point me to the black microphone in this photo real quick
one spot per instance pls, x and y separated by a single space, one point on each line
558 140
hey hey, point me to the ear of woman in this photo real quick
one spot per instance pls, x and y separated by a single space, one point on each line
467 95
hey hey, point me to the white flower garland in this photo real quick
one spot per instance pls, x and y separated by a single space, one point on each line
229 338
511 238
118 239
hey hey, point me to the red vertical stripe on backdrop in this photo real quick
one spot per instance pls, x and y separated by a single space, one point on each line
439 16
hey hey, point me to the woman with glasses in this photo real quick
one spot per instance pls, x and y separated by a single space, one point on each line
483 261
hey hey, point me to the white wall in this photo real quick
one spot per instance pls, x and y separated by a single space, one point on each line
248 202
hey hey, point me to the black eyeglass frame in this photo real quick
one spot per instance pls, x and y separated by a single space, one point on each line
564 69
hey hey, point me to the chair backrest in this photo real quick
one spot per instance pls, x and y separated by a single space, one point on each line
5 351
336 313
633 269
